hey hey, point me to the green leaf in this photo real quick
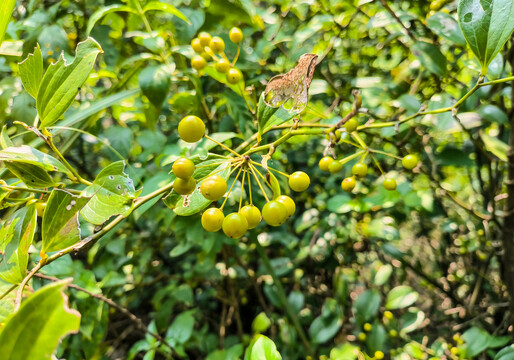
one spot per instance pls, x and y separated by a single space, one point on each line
181 329
62 81
97 15
322 330
445 26
376 338
506 353
400 297
269 117
191 204
261 323
275 185
7 302
32 175
495 146
60 221
476 340
237 88
31 71
430 57
26 154
344 351
414 350
326 326
24 108
486 25
262 348
112 193
6 9
35 330
366 306
16 235
411 320
382 275
5 141
90 110
155 82
161 6
493 114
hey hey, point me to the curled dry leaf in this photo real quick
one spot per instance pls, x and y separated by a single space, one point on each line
291 90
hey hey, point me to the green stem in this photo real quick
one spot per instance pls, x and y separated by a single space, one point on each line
284 139
29 276
50 142
283 298
478 84
8 291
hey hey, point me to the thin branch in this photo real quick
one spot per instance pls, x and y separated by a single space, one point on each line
137 321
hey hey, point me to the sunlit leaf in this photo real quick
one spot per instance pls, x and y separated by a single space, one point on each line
60 221
36 329
62 81
16 235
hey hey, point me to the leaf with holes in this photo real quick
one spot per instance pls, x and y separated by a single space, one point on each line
62 81
112 193
269 116
31 71
35 330
191 204
15 238
486 25
60 220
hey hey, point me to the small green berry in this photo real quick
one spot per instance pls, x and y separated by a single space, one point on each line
299 181
191 129
351 125
325 162
389 184
410 162
360 169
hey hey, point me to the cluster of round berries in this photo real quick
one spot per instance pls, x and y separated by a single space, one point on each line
208 47
360 169
214 187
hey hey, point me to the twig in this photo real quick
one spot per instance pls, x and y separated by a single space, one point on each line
137 321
